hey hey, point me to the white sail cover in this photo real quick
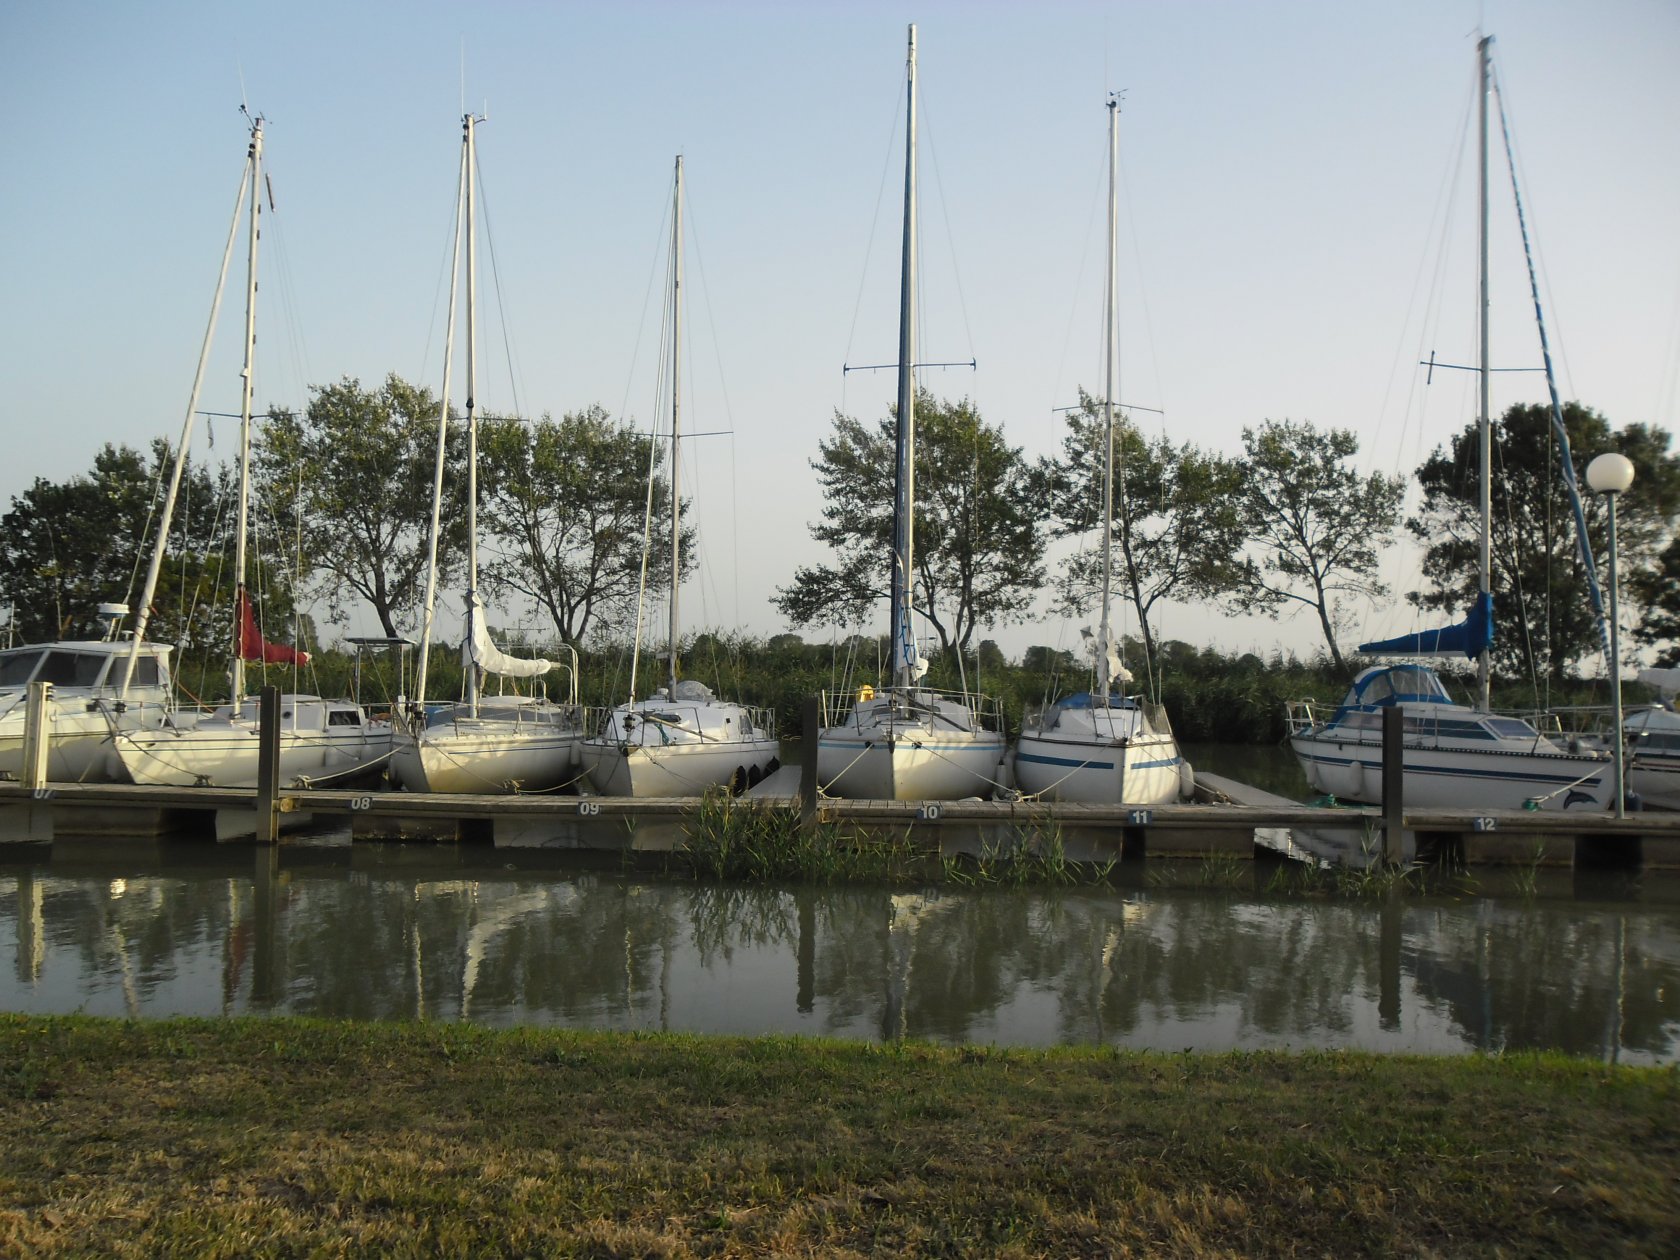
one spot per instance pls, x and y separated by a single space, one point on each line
476 648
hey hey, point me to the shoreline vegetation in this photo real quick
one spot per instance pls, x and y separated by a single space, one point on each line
1211 697
281 1136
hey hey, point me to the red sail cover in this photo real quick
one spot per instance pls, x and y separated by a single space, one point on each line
253 647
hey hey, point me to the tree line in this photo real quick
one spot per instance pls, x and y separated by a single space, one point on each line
345 495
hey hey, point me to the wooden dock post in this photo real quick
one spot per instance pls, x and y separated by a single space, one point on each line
37 735
809 718
268 766
1393 785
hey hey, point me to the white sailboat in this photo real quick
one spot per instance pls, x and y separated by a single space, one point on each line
905 741
319 739
682 739
1102 746
88 700
1455 756
483 743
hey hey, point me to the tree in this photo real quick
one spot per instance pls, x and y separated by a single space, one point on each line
352 479
66 547
1177 522
1318 524
1658 588
567 502
1543 615
979 543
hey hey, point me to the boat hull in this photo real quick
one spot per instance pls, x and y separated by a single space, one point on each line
225 754
677 769
1145 770
486 761
1445 778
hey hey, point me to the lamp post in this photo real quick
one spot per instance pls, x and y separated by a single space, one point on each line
1611 474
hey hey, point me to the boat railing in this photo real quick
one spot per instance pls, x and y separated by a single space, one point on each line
983 712
1304 715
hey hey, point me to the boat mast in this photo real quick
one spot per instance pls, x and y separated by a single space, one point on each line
676 398
1484 435
905 497
149 591
247 374
468 122
1110 371
443 426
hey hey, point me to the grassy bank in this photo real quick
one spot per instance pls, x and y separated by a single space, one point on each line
254 1137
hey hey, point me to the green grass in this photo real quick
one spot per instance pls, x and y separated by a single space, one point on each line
292 1137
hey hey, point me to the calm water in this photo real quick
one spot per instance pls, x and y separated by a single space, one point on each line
509 936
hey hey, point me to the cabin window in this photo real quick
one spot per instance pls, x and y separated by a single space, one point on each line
145 672
344 717
15 670
1511 727
71 669
1463 730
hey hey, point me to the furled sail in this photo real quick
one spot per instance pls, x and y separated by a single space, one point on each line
253 647
478 650
1469 637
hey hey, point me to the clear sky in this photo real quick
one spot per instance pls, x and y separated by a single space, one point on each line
1297 221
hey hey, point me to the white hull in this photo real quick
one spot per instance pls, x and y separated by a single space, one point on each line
1139 771
678 769
680 745
80 740
224 753
1444 778
933 750
1656 780
486 757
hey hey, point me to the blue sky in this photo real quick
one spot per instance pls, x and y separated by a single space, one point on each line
1297 230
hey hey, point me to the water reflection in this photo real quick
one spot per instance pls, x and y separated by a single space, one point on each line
393 933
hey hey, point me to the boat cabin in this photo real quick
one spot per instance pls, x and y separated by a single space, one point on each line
93 666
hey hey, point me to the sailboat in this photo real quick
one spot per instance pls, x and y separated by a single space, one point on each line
682 739
1102 745
906 741
1455 756
483 743
319 739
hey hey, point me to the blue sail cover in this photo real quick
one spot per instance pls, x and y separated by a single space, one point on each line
1470 636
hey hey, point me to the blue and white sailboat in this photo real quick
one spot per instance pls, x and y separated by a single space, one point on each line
1455 756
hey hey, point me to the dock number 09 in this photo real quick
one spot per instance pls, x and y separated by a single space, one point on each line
589 809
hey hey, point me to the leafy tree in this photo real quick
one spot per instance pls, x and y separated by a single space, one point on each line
352 478
1317 523
1542 611
1658 588
567 501
979 543
66 547
1178 523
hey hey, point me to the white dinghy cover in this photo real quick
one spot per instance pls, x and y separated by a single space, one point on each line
477 649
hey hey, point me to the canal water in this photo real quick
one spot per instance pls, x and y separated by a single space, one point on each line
508 936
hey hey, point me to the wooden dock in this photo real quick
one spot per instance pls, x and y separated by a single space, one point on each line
1234 820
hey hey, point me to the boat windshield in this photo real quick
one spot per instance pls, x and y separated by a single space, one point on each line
17 667
1396 684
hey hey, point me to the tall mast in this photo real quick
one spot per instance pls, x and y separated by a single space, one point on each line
1110 372
468 122
247 374
1484 435
676 407
143 616
905 499
443 424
